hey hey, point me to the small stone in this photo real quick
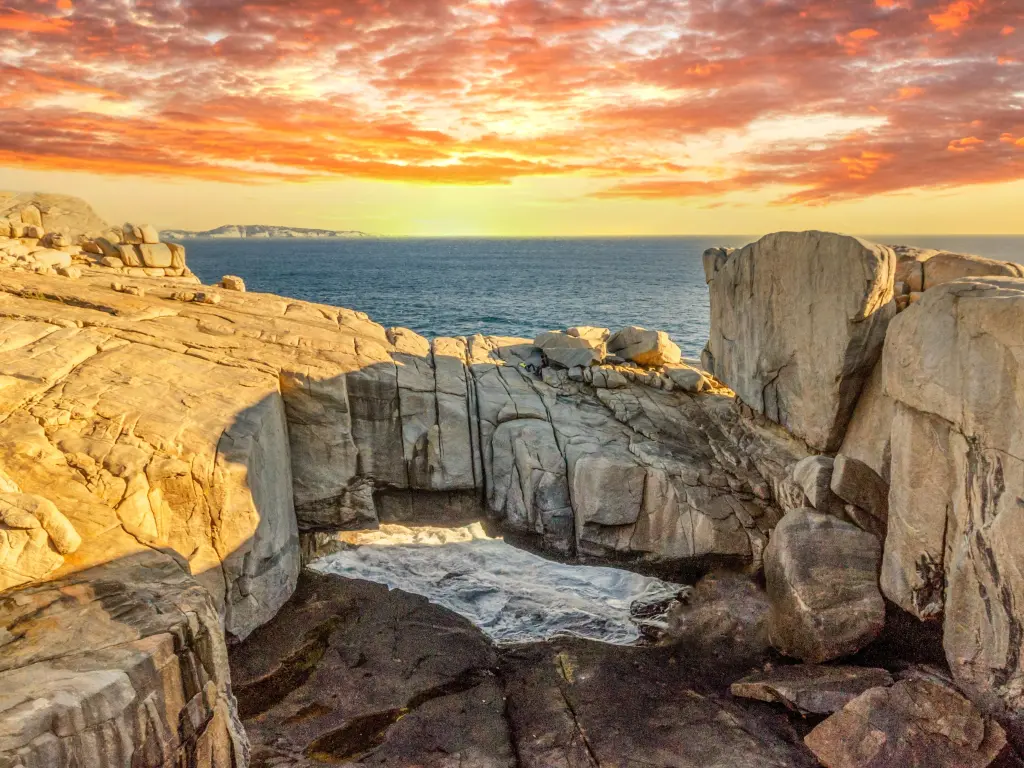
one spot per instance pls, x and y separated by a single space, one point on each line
72 272
131 290
232 283
202 297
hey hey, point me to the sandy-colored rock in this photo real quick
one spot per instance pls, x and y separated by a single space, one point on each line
822 579
69 215
951 362
913 723
589 332
177 255
569 351
944 267
155 256
232 283
797 324
131 235
120 665
150 236
644 347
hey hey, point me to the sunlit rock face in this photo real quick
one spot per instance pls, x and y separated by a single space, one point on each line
797 324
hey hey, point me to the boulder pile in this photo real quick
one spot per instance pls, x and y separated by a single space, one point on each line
62 247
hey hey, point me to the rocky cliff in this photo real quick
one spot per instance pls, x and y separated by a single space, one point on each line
164 445
258 231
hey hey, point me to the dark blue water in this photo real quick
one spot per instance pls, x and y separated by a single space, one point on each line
507 287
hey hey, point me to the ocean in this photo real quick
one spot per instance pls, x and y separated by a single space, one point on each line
509 286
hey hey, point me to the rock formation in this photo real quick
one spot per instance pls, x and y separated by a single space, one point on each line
797 324
163 446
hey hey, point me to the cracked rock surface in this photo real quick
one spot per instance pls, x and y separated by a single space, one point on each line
385 678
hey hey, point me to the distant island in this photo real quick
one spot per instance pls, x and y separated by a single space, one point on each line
258 231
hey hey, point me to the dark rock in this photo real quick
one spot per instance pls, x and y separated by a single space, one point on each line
349 670
726 615
822 580
915 723
580 704
812 688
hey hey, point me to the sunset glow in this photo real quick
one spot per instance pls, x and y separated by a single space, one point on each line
361 112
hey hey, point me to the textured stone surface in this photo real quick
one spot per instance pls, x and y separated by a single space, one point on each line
812 688
822 580
914 723
858 484
952 362
797 324
381 677
568 350
644 347
138 677
869 432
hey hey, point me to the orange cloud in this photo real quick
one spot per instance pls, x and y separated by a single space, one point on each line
955 15
469 92
909 92
962 145
18 21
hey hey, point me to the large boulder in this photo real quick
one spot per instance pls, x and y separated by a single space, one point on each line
822 579
916 722
797 325
570 351
644 347
952 361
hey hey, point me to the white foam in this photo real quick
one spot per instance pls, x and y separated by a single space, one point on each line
512 595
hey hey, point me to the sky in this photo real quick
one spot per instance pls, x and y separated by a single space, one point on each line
522 117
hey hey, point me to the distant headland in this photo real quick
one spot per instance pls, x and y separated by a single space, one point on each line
240 231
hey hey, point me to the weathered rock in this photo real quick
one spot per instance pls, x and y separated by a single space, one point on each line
686 378
154 255
149 234
232 283
814 477
952 365
913 723
123 664
583 704
812 688
177 255
34 536
804 372
644 347
131 235
589 332
822 579
71 216
868 434
944 267
856 483
570 351
374 676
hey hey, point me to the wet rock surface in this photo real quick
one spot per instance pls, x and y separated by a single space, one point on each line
349 672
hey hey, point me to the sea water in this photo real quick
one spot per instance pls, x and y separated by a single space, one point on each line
508 286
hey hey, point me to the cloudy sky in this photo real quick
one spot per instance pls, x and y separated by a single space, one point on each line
522 116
